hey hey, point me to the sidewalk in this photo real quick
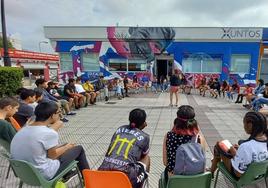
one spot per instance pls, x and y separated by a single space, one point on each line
94 126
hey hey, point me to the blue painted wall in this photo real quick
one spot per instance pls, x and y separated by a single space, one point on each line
226 49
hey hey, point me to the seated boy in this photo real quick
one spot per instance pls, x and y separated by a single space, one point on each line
8 107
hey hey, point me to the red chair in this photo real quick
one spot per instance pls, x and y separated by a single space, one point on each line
105 179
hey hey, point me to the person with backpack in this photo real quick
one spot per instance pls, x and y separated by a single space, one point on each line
185 130
129 148
238 157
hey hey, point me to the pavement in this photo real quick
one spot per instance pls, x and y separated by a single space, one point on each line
94 126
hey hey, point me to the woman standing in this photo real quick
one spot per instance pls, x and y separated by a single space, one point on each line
174 87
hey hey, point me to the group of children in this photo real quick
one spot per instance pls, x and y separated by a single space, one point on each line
128 151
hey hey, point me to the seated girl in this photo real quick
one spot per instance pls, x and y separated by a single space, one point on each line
185 127
254 149
129 148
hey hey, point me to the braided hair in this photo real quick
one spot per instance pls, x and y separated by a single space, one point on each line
258 121
137 118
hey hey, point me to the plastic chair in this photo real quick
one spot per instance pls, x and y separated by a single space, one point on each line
30 175
103 179
15 124
6 146
190 181
255 172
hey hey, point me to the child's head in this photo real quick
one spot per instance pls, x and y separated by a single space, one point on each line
137 118
19 90
51 84
38 96
255 123
9 106
28 95
186 119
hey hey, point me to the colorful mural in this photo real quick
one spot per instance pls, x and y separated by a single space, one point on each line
145 43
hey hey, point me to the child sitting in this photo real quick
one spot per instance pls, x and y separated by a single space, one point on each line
128 150
254 149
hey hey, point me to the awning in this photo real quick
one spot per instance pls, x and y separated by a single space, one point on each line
33 65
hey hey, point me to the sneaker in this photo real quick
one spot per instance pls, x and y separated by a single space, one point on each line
71 113
64 120
69 176
127 95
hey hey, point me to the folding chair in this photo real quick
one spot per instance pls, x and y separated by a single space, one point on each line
102 179
28 174
186 181
255 172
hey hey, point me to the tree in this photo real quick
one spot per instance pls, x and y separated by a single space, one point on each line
10 46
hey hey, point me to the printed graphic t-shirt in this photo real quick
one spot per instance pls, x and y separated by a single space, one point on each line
249 152
127 146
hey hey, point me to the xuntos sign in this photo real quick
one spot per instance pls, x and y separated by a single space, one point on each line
241 33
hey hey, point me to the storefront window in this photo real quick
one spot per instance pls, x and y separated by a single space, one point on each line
66 62
118 65
211 65
90 61
137 65
191 65
240 63
201 63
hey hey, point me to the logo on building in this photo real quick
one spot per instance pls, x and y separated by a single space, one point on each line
241 33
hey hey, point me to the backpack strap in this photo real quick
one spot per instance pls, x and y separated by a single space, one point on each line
194 139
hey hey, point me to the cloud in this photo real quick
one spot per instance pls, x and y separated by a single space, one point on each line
27 17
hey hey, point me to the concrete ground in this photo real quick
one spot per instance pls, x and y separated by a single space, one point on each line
94 126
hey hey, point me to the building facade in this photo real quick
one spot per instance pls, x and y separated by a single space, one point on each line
227 53
34 64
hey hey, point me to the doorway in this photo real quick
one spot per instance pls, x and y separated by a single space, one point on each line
162 68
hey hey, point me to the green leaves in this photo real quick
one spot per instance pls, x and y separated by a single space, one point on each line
10 80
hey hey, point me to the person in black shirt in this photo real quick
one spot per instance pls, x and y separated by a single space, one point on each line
69 91
174 87
215 88
126 85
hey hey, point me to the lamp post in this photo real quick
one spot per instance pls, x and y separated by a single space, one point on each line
45 42
7 61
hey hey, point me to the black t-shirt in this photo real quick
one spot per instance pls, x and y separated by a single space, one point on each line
217 85
174 80
70 88
127 146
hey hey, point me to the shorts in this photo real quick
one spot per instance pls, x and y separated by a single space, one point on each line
63 102
137 174
174 89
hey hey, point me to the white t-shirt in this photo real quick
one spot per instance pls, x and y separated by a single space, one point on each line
249 152
31 144
79 88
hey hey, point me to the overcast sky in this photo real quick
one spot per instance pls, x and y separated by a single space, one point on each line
26 18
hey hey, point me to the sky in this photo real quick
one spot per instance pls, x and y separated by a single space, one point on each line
26 18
